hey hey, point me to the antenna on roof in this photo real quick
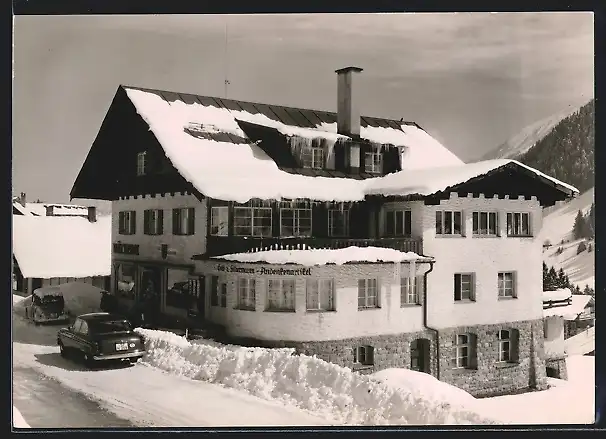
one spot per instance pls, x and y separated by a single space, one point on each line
226 81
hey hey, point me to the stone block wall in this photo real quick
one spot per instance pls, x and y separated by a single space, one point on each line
558 368
490 377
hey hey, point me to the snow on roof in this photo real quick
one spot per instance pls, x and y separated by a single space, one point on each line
311 257
556 295
48 247
428 167
19 207
58 209
569 312
432 180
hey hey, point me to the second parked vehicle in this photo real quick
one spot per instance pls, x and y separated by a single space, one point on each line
100 337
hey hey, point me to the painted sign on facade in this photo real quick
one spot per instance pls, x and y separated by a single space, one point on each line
264 271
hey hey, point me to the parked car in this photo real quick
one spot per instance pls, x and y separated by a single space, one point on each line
46 304
100 337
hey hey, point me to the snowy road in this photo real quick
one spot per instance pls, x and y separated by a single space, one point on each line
143 395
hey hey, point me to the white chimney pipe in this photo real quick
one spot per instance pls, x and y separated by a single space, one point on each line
348 114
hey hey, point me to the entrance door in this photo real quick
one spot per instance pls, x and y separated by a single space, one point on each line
419 355
201 297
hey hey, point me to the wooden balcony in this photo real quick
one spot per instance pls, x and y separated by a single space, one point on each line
221 245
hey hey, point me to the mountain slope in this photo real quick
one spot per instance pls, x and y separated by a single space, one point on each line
566 152
528 137
557 227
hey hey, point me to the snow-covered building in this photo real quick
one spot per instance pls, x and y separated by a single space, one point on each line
358 239
54 244
559 307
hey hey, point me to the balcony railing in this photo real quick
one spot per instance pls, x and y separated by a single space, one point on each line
224 245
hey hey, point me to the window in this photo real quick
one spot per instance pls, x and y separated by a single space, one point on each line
508 345
83 328
280 294
485 223
252 221
363 355
320 295
464 286
518 224
368 293
398 223
184 220
449 222
314 157
125 275
219 221
179 292
464 348
218 289
295 222
127 222
153 222
142 163
373 162
338 222
507 284
411 290
246 293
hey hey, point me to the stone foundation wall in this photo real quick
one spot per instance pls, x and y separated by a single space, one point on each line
489 377
558 367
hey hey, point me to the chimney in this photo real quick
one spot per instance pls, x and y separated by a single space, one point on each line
92 214
348 115
22 199
50 210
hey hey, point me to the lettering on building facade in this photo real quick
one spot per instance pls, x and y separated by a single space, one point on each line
264 271
126 249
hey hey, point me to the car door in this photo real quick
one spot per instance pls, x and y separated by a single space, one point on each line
70 335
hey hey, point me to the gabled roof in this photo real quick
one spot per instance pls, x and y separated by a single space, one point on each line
48 246
204 140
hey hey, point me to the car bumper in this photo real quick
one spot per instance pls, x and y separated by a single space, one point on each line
120 356
60 318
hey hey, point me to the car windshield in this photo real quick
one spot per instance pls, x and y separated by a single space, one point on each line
52 299
110 326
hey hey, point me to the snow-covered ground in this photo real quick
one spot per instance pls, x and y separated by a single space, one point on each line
183 384
557 226
18 421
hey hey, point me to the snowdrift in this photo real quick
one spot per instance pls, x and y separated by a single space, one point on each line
307 382
18 421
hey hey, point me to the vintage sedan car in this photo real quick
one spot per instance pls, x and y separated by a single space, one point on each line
101 336
46 304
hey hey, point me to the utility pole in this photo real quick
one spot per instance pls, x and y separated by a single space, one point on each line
226 81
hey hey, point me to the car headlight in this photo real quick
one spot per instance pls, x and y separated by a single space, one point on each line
132 345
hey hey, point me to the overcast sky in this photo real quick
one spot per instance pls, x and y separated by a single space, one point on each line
471 80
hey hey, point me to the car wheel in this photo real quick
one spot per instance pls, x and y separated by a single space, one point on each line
133 361
89 361
62 350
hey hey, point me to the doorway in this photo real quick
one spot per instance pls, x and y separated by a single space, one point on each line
419 355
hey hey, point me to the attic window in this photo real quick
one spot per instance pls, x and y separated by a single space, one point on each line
315 158
142 163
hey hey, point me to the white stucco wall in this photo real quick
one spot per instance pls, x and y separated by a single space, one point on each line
149 246
554 337
302 325
486 257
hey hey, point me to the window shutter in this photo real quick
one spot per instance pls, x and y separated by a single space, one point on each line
176 219
515 345
214 292
133 222
457 287
473 351
407 222
160 222
120 223
191 221
146 228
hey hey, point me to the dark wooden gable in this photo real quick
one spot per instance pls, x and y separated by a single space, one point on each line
271 141
513 180
109 171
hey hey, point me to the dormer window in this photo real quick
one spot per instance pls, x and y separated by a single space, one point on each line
315 158
142 163
373 162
